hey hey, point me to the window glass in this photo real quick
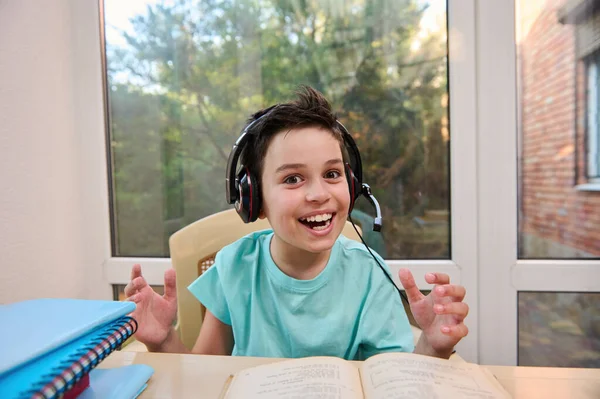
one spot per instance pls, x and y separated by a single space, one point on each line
183 76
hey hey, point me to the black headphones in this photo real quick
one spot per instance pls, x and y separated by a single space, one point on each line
243 187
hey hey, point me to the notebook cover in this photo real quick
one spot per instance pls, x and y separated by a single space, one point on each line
32 328
78 388
45 373
125 382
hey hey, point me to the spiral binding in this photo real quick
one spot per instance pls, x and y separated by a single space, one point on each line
70 371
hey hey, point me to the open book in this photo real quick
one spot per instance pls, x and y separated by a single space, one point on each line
388 375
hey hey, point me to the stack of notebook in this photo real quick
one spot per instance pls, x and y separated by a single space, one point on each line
49 348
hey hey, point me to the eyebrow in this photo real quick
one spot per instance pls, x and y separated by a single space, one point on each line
289 166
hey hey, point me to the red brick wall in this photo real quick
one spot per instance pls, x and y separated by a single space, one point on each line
553 152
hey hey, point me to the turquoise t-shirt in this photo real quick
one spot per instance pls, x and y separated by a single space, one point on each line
350 310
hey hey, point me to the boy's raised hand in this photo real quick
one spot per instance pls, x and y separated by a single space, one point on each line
154 313
439 314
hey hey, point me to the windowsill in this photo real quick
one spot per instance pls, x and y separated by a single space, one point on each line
588 187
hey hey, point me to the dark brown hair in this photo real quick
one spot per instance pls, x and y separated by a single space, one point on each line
310 109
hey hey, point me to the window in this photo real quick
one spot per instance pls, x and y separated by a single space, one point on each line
183 76
557 326
593 118
559 329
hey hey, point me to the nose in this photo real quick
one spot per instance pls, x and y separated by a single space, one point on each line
317 191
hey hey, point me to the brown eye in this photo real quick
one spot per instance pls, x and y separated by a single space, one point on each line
292 180
333 174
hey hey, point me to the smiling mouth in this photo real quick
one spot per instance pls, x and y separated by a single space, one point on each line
318 222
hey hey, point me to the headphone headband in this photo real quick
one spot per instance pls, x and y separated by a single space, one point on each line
232 193
230 190
354 154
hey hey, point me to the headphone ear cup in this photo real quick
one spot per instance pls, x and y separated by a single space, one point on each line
249 203
353 185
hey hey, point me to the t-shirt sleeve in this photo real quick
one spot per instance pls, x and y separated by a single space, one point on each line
384 324
208 289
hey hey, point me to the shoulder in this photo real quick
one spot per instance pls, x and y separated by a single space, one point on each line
229 275
239 250
356 259
355 250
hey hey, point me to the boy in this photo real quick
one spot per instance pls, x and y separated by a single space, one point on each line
301 289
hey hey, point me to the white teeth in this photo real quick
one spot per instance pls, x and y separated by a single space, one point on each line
319 228
318 218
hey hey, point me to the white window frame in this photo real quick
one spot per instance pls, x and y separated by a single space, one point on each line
462 267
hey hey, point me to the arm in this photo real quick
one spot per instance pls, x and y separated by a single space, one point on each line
172 344
215 338
424 348
216 334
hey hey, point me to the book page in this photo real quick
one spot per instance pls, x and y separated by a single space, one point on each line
315 377
396 375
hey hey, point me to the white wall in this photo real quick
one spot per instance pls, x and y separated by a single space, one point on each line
51 127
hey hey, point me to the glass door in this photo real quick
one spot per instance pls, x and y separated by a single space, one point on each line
539 190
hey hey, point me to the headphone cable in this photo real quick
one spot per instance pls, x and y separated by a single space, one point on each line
402 296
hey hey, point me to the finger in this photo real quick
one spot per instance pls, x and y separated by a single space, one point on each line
437 278
136 298
457 331
132 299
134 285
138 284
408 282
129 290
136 271
451 290
170 284
460 310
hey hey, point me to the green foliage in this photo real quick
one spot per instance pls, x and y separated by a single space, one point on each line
193 71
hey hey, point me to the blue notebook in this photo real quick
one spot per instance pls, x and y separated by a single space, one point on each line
125 382
52 343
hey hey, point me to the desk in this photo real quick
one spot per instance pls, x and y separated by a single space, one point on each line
197 376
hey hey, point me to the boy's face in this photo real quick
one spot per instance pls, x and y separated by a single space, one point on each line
304 189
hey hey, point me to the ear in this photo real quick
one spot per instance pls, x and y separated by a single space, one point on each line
261 214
